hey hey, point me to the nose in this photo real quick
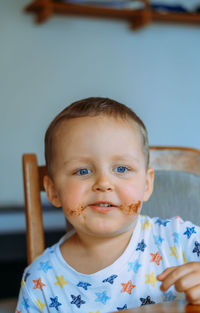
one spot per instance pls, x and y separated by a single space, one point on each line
102 183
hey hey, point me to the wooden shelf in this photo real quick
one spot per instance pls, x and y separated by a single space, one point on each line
43 9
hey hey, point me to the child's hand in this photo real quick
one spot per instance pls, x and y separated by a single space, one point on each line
185 278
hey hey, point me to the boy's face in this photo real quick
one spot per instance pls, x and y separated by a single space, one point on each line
99 174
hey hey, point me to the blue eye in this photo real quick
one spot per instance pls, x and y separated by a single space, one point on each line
121 169
84 171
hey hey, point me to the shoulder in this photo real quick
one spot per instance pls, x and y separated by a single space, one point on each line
176 223
41 266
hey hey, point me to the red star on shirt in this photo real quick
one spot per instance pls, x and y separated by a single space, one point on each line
38 284
127 287
156 258
17 311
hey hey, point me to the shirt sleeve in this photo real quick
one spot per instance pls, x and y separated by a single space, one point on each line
27 304
190 235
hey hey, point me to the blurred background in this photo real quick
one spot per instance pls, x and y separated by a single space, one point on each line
154 70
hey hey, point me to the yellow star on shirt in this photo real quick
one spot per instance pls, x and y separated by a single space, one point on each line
184 258
60 281
146 225
23 283
173 251
96 312
40 305
150 279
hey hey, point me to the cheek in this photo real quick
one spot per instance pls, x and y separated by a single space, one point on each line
129 193
73 197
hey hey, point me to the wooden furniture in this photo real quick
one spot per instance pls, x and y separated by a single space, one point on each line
43 9
173 158
166 307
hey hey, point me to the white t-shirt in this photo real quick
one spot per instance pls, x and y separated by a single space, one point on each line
49 284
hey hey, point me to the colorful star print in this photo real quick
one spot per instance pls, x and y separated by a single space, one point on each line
150 279
156 258
196 248
54 303
110 279
26 276
146 301
40 305
127 287
38 284
168 296
60 281
141 245
184 258
176 238
44 266
173 251
146 225
77 300
84 285
122 308
25 303
23 282
102 297
158 240
134 266
161 222
189 231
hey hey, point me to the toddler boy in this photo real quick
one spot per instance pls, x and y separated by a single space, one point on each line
97 159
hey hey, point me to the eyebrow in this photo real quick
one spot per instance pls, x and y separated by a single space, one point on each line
125 157
115 158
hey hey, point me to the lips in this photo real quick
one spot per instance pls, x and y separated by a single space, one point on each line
102 206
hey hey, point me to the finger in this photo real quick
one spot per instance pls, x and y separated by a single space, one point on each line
187 282
193 295
176 274
166 272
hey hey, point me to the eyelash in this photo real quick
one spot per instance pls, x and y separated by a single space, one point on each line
83 174
82 171
125 168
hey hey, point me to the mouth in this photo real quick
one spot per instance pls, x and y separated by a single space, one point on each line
102 207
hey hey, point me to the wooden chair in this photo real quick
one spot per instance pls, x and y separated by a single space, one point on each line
161 158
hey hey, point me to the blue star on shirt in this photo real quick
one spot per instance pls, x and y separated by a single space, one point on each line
141 246
84 285
189 231
169 296
45 266
123 308
54 303
26 276
101 297
134 266
158 240
146 301
77 300
25 303
196 248
176 238
161 222
110 279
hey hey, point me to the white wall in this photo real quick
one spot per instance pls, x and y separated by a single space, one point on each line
43 68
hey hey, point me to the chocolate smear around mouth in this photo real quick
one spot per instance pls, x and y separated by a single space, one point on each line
132 208
77 211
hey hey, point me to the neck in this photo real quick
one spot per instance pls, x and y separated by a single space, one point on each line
81 248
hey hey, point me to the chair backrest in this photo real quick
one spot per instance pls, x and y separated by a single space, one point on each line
161 158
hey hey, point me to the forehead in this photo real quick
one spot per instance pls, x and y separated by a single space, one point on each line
94 125
88 132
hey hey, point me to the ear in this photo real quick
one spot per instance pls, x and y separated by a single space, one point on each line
51 191
149 184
